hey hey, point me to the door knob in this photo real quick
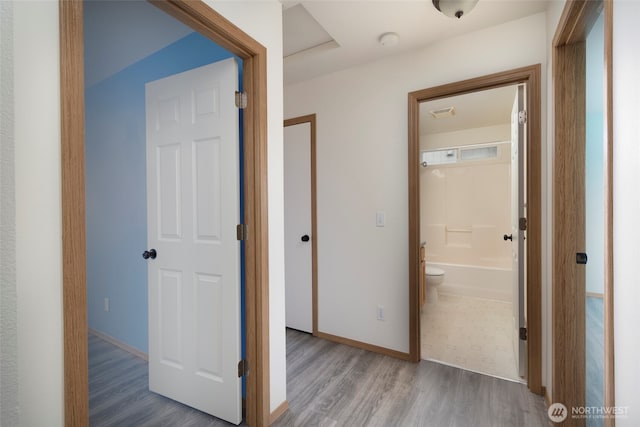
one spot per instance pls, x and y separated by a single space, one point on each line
149 254
305 238
581 258
509 237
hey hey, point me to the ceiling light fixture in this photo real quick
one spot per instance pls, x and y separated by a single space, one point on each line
389 39
454 8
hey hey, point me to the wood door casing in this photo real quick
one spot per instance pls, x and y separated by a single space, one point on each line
211 24
311 119
298 222
568 323
530 75
568 371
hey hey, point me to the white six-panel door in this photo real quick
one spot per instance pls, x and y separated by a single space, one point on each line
193 210
518 210
297 219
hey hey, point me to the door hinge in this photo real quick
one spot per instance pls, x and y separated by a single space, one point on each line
241 99
523 334
243 368
522 117
242 232
522 224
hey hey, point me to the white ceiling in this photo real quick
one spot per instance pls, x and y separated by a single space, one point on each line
356 25
472 110
119 33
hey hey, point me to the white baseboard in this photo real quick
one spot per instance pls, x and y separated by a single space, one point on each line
119 344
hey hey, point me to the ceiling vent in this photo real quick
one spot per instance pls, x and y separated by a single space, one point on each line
443 112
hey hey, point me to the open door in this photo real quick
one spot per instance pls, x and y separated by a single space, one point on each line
298 230
194 255
518 230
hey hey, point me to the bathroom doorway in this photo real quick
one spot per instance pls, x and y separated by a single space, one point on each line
471 199
485 249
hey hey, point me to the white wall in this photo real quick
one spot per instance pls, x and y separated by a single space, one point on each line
8 311
362 168
38 206
456 138
626 205
38 214
262 20
465 209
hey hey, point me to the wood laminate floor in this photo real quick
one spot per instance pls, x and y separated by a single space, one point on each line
119 394
328 384
595 356
335 385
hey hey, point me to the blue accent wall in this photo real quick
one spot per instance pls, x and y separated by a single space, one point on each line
116 210
594 215
594 164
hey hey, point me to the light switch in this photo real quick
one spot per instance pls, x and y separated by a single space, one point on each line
379 219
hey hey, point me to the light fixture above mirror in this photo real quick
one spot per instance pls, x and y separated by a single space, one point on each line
454 8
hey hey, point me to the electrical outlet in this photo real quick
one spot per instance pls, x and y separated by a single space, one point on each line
380 313
106 304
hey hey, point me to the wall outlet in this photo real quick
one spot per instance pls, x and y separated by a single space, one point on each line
380 220
380 313
106 304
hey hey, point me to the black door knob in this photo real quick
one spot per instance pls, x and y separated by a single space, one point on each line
149 254
581 258
509 237
305 238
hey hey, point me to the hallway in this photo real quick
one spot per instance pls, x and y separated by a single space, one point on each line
328 384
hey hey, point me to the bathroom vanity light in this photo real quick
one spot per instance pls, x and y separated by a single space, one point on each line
454 8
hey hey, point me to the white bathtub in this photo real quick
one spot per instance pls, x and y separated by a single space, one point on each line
476 281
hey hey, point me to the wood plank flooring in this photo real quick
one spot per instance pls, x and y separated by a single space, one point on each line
328 384
119 393
334 385
595 356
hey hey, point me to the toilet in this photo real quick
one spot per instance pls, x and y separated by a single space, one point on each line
434 278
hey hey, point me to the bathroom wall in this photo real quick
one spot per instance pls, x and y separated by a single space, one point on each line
465 136
116 187
465 207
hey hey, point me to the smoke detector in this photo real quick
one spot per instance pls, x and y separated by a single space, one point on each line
389 39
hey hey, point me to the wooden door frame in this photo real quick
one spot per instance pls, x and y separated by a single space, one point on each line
531 76
311 119
568 322
211 24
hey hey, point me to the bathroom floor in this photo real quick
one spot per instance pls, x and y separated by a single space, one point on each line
470 333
